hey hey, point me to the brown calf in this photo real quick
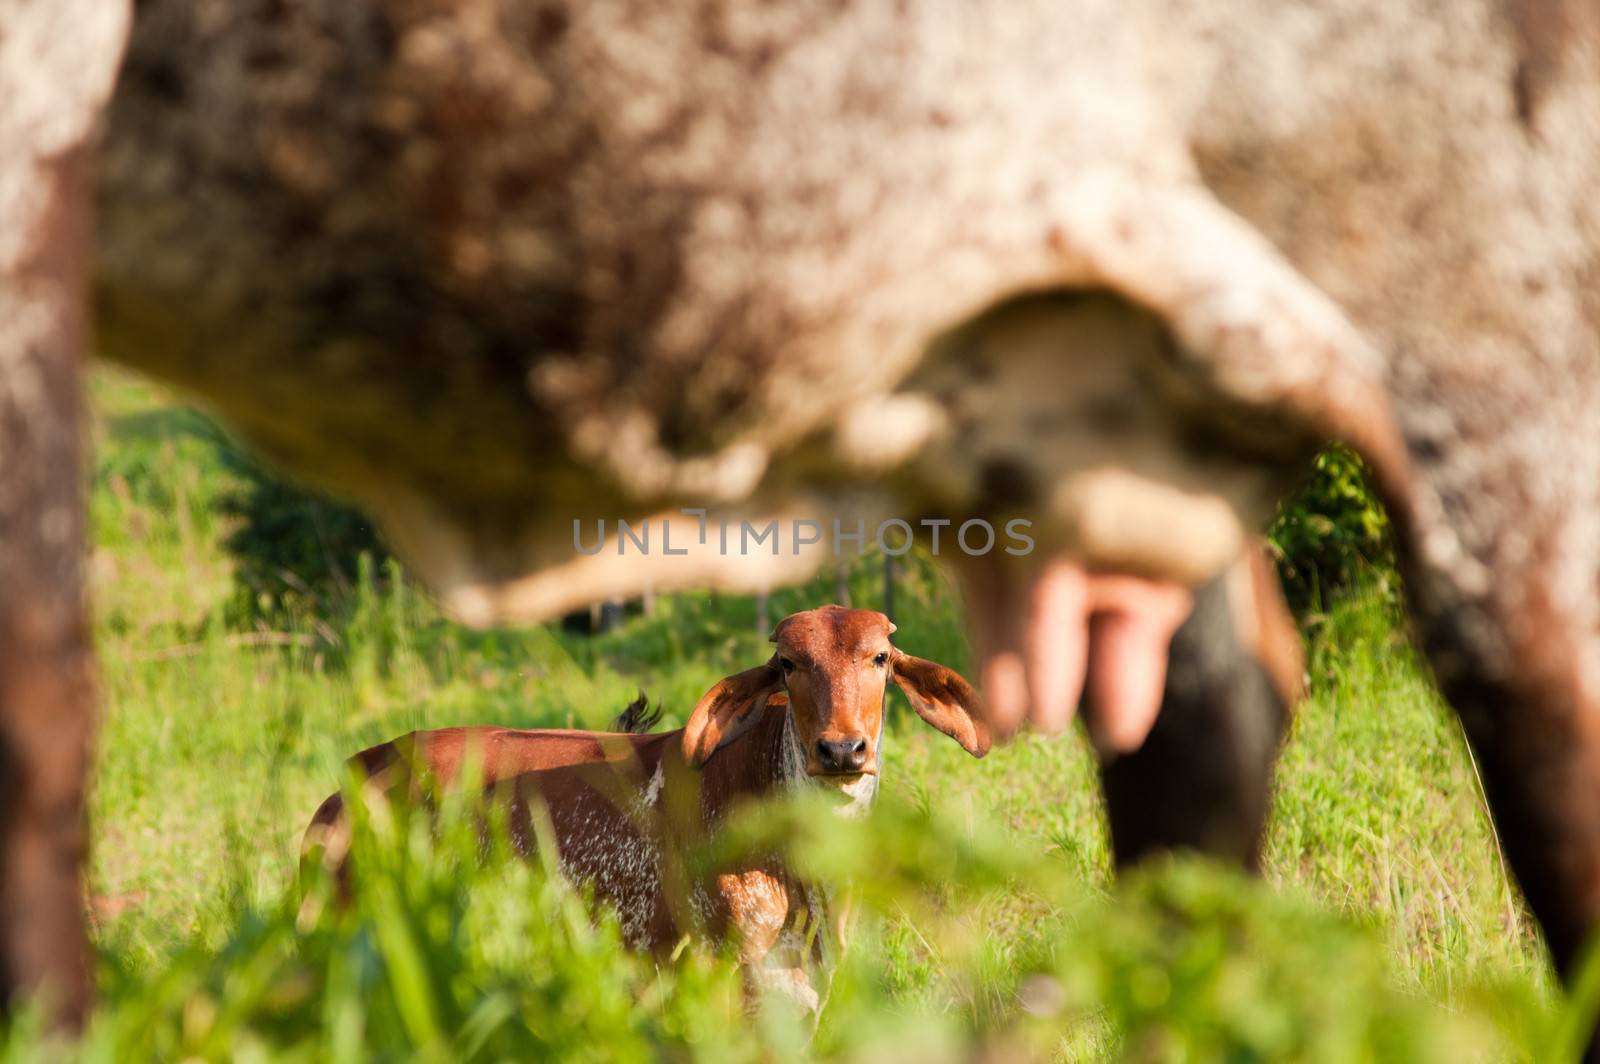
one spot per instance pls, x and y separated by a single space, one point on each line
623 807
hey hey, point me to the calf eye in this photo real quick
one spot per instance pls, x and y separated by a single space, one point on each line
786 665
882 658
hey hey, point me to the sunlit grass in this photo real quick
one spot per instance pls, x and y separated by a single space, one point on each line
220 737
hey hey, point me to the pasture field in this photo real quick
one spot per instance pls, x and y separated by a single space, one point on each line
1385 929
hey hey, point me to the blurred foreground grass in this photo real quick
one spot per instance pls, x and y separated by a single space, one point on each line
1385 930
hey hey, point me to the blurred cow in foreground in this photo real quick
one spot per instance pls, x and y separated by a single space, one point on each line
492 267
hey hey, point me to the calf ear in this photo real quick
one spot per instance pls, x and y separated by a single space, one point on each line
728 710
942 698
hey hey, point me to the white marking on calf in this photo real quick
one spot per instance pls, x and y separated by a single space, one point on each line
791 759
793 983
813 922
861 790
652 790
618 855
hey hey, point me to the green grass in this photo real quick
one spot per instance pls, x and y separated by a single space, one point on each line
1386 928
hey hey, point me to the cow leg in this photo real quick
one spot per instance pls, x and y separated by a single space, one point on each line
1538 752
1203 777
60 62
46 696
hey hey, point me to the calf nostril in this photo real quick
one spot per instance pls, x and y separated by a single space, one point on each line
842 755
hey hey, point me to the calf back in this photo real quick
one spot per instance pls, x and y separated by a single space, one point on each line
625 812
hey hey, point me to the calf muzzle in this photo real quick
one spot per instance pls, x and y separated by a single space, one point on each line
847 756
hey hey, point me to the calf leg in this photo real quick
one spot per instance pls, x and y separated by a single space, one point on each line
1203 777
755 908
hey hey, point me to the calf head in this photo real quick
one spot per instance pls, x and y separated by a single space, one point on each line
834 664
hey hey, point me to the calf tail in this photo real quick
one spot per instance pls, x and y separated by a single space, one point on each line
639 717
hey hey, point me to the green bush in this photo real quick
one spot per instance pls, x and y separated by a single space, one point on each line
294 551
1332 533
